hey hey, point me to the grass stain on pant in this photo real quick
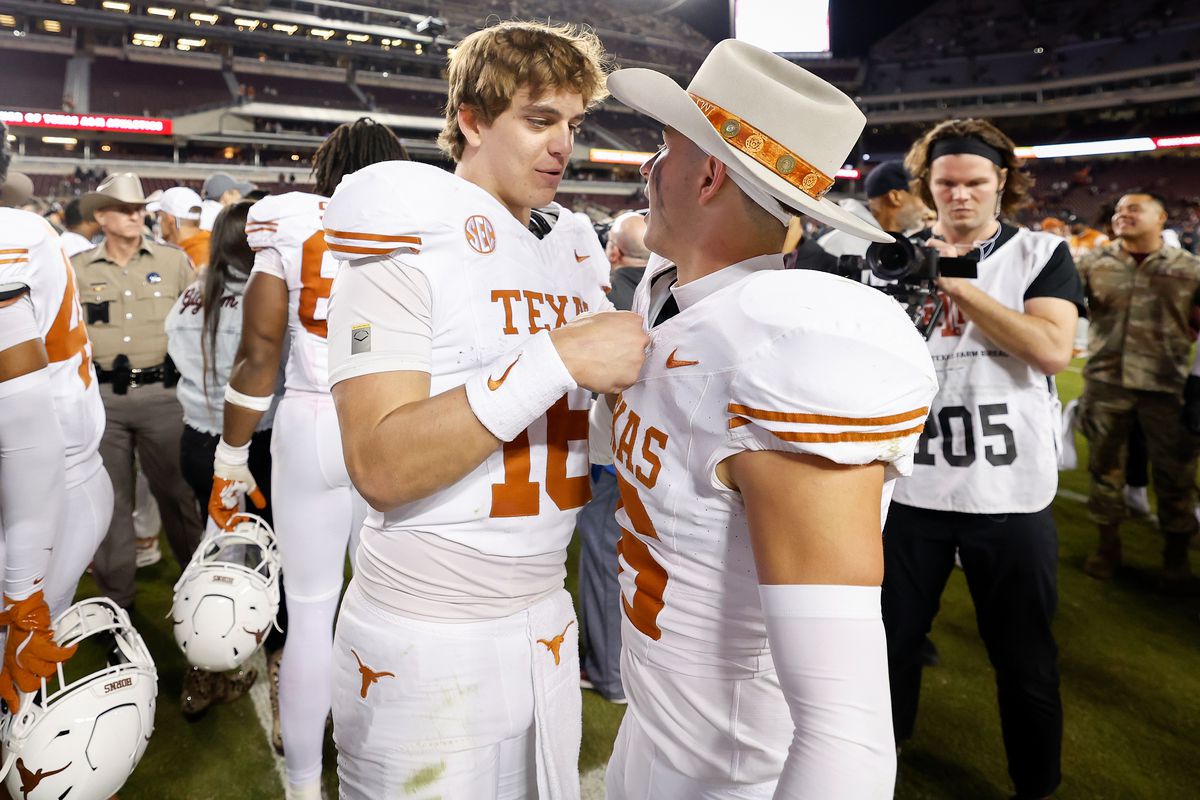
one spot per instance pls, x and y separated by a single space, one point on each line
424 777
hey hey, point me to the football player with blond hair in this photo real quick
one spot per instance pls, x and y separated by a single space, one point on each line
317 513
462 359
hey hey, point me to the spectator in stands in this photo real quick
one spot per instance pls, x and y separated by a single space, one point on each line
1141 294
1083 238
220 190
80 231
890 203
203 330
127 284
986 469
178 210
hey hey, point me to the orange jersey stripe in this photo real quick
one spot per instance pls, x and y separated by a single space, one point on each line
14 250
14 260
825 419
849 436
373 237
370 251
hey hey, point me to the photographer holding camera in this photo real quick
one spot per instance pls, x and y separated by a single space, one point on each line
986 465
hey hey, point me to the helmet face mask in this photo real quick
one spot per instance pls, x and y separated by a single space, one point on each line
82 737
226 600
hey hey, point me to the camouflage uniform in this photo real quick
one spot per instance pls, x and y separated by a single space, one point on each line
1140 344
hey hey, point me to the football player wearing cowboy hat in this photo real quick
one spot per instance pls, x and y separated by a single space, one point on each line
756 454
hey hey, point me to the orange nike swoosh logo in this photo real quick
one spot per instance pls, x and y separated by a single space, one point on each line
578 258
495 383
673 362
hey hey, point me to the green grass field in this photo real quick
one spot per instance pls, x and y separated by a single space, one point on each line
1130 675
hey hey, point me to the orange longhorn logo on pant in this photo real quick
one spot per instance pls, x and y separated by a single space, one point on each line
369 676
30 780
553 644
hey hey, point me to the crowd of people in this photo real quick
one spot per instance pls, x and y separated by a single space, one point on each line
398 377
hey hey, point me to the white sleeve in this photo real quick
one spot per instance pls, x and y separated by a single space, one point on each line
380 319
830 654
32 479
270 261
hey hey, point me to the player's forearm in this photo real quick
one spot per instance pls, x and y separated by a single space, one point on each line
255 374
1034 340
415 450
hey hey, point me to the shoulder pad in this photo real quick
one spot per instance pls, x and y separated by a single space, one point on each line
388 207
285 219
22 230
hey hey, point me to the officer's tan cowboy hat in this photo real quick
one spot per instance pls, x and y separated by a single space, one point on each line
778 128
122 188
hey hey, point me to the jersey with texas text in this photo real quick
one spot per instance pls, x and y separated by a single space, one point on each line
485 283
779 360
285 232
990 445
31 255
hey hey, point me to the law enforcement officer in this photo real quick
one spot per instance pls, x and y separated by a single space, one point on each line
986 466
127 285
1140 296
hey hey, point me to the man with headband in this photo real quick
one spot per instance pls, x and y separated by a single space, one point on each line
756 454
987 462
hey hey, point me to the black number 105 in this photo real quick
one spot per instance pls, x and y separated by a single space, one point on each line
954 423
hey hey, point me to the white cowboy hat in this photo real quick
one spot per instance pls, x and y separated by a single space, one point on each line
122 188
15 189
777 127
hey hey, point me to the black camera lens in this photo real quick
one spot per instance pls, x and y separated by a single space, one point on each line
893 260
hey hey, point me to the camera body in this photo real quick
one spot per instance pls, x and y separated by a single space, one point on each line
908 271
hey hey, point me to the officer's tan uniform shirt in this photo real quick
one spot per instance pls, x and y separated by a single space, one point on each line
1140 337
137 297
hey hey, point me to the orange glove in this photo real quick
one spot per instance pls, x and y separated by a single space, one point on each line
232 480
29 651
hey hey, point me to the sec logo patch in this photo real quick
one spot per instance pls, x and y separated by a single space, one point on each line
480 234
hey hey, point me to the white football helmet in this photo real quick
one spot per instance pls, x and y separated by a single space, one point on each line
226 600
82 737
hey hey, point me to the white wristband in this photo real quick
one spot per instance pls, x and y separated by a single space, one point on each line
251 402
512 392
231 455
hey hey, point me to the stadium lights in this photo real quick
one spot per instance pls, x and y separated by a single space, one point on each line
358 37
67 2
186 43
321 33
247 22
1139 144
67 140
169 13
52 26
106 148
113 5
148 39
418 49
7 20
197 18
282 28
295 157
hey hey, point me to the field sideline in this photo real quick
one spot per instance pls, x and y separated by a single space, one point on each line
1131 691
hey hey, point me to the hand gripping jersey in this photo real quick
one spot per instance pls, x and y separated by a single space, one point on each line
32 256
285 231
491 284
990 445
793 361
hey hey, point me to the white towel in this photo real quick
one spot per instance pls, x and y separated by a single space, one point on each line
557 704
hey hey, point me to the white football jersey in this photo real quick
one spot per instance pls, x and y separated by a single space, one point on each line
31 255
491 284
990 445
285 230
787 360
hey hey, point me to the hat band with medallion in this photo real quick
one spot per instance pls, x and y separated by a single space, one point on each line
764 149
